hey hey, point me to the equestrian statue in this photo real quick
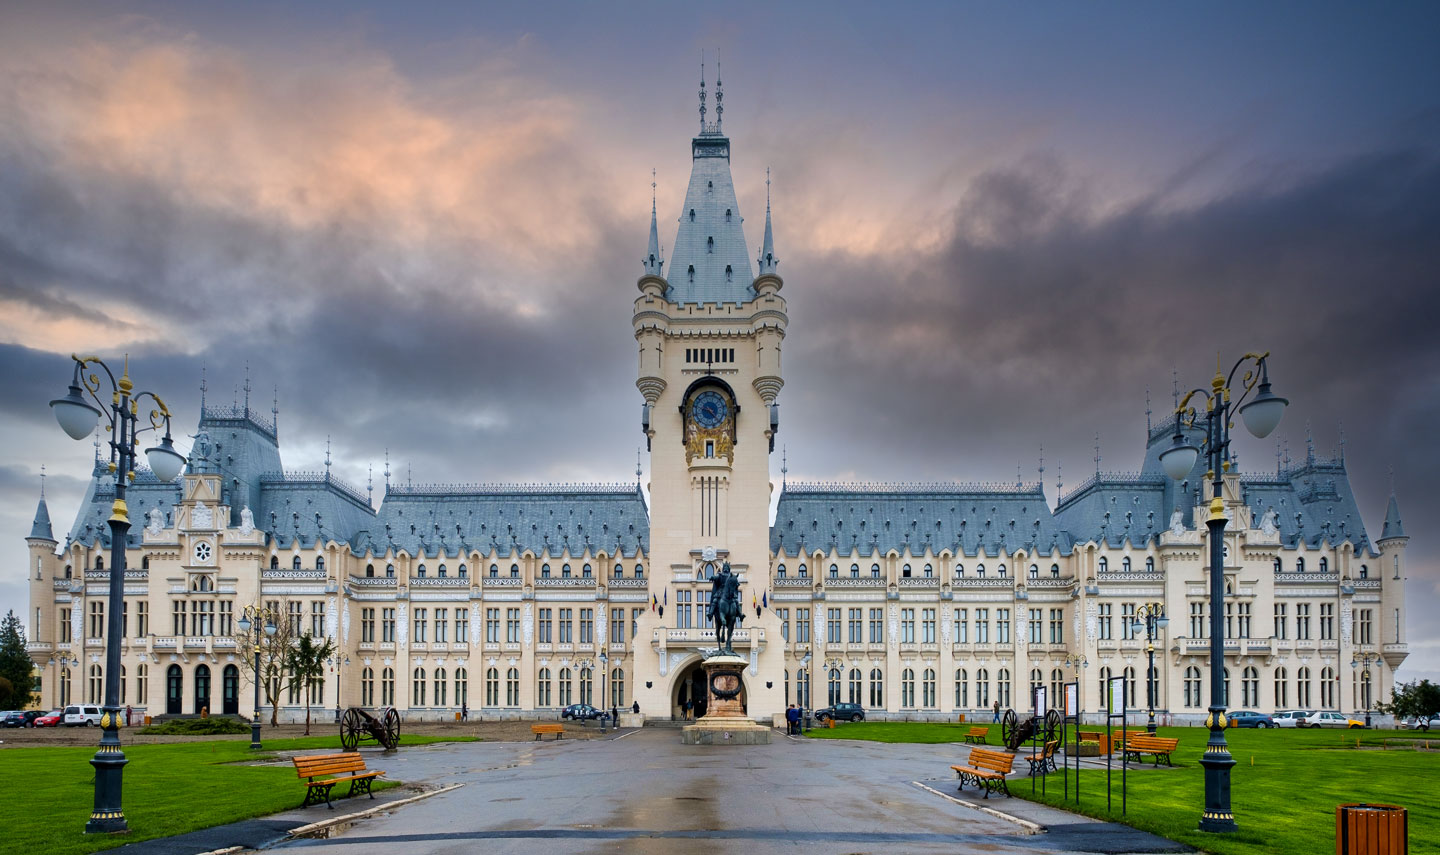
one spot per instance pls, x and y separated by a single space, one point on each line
725 608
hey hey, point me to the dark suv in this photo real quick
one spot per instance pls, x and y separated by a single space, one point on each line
841 712
583 712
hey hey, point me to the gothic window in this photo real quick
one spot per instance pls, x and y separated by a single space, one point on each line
780 571
1034 571
585 571
544 571
369 571
803 572
619 571
319 562
980 571
639 571
875 571
855 574
1324 564
727 215
99 562
494 571
389 571
274 563
442 572
420 571
729 274
1149 565
295 563
959 571
692 219
514 571
1104 564
835 571
709 245
565 571
1299 565
691 274
929 571
1125 564
1002 571
905 571
462 571
1364 572
1054 571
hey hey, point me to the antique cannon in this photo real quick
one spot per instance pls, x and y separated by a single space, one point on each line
1015 732
358 725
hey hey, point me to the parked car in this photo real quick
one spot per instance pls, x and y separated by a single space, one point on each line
50 719
5 718
1249 718
82 715
1332 719
19 718
1291 718
841 712
582 712
1421 722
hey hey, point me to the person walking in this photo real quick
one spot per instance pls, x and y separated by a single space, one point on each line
997 713
792 720
464 712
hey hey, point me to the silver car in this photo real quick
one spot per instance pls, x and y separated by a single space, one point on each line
1291 718
1332 719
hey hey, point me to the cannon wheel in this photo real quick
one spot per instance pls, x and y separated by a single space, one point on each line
1008 725
1054 726
391 724
352 728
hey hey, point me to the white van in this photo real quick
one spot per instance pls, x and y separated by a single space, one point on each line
82 715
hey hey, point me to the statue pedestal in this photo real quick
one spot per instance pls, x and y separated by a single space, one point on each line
724 722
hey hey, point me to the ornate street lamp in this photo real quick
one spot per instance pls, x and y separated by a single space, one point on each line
805 707
338 662
250 624
1363 660
1261 416
1150 618
78 417
604 669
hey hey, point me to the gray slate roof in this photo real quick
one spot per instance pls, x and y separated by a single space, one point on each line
710 240
40 528
1392 528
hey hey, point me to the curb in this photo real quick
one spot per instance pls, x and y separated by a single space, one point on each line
314 827
1030 827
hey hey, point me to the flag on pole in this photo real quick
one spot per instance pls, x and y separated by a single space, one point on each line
654 601
765 600
667 597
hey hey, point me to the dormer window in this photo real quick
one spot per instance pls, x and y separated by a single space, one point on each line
710 244
692 215
691 274
727 215
729 274
710 186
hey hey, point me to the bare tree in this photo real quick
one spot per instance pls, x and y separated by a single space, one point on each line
275 674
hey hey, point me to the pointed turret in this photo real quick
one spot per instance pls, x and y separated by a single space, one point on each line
40 529
1392 528
653 263
767 262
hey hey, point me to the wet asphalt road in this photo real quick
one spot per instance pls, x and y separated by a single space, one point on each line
646 793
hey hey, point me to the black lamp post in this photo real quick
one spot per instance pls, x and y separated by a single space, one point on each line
805 706
250 625
1362 660
1261 415
338 662
77 417
604 707
1151 618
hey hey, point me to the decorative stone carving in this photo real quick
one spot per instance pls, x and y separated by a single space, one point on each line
201 516
77 625
1092 620
247 521
894 625
527 626
1177 522
345 625
332 618
474 624
1268 522
156 522
402 625
1347 621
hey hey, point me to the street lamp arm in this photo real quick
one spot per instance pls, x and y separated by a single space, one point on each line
159 415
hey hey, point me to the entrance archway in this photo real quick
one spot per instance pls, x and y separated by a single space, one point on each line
690 685
174 684
231 690
202 689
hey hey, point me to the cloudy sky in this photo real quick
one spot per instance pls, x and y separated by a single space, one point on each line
998 226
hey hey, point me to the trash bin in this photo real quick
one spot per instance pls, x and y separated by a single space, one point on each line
962 718
147 721
1363 829
457 716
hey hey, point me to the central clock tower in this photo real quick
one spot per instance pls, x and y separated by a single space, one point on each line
709 333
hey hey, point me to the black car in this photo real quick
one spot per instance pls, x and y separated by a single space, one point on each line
841 712
583 712
21 718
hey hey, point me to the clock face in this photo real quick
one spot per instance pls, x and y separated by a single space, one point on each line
202 552
709 409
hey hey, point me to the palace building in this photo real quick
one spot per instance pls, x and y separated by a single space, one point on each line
915 601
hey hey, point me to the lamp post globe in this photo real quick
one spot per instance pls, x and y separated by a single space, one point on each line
1179 458
75 415
1262 415
164 460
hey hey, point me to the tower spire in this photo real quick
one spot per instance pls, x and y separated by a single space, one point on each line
202 389
1097 455
654 261
719 94
702 90
40 528
638 469
767 261
1147 410
387 471
275 410
247 387
784 464
327 457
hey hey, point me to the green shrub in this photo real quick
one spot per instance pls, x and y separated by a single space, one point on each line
196 727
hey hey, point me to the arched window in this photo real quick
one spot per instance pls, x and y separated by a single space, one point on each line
564 688
959 571
512 687
780 571
463 572
387 687
1299 565
692 219
727 215
1324 564
833 684
1125 564
1329 689
97 686
440 571
565 571
69 572
420 571
100 562
1002 687
617 687
369 571
1131 698
855 574
1302 687
295 563
440 687
542 688
905 571
1104 564
1150 565
979 571
514 571
1034 571
1057 688
544 571
982 688
1364 572
877 689
144 563
1192 687
619 571
462 687
729 274
367 687
962 689
492 687
834 571
1226 701
1002 571
907 688
857 691
319 562
874 571
586 687
1054 571
927 689
802 571
691 274
709 245
929 571
417 688
639 571
1037 679
1282 695
390 571
494 571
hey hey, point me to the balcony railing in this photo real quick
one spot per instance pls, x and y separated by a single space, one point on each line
440 582
855 582
1371 584
629 583
791 582
920 581
1050 582
306 575
702 634
976 582
502 582
1130 577
373 581
1307 578
573 582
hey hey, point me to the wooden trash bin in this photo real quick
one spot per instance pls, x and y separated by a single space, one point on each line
1365 829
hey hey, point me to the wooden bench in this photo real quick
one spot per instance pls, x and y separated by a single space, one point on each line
541 729
986 769
1044 760
1140 743
336 768
977 735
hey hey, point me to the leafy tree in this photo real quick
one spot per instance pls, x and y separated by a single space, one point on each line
306 664
1417 698
15 665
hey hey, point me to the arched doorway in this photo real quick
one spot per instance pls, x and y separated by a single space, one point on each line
690 685
174 684
230 688
202 689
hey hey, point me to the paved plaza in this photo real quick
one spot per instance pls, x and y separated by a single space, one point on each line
644 792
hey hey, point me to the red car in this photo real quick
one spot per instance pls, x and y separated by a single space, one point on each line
50 719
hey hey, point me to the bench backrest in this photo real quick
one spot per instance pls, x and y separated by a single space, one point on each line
329 764
1145 743
979 731
546 728
998 761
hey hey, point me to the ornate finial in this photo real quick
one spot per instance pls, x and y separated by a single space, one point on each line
1147 410
784 463
1175 387
638 470
1042 466
42 480
327 457
767 189
1277 458
1059 481
97 443
652 191
1097 455
702 90
409 482
275 409
1309 443
370 486
1287 453
387 470
719 94
1019 480
1342 442
1391 468
202 389
247 387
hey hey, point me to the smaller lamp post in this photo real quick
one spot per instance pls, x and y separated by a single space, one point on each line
250 624
1078 662
604 667
1150 618
1362 660
805 705
338 662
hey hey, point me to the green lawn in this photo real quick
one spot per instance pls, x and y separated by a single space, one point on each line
1284 789
169 789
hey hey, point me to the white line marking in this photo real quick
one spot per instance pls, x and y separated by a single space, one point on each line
1030 827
